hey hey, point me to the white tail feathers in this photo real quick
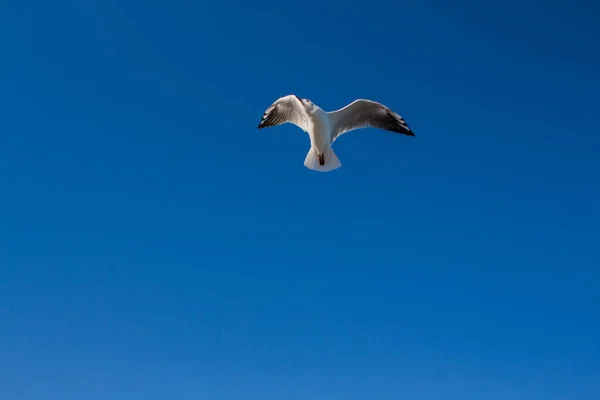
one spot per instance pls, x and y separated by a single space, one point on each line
331 160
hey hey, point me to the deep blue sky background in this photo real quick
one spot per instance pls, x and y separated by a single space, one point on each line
155 245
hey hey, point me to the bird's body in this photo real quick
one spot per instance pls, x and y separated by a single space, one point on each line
324 127
320 135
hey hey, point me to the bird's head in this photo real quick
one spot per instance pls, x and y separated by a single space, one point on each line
308 105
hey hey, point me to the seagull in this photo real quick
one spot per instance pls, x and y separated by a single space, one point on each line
324 127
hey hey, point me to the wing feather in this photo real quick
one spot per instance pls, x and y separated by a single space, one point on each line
286 109
366 113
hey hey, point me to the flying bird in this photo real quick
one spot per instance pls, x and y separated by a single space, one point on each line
324 127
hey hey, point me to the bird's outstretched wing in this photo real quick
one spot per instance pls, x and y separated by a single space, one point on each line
366 113
286 109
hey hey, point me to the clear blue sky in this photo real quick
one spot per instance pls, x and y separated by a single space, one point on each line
155 245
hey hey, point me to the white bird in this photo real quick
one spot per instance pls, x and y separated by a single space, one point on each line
324 127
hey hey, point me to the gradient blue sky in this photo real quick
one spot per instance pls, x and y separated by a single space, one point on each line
155 245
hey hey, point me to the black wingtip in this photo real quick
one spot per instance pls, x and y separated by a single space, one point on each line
400 124
404 131
261 124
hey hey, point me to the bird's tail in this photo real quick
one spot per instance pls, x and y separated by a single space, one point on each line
328 161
